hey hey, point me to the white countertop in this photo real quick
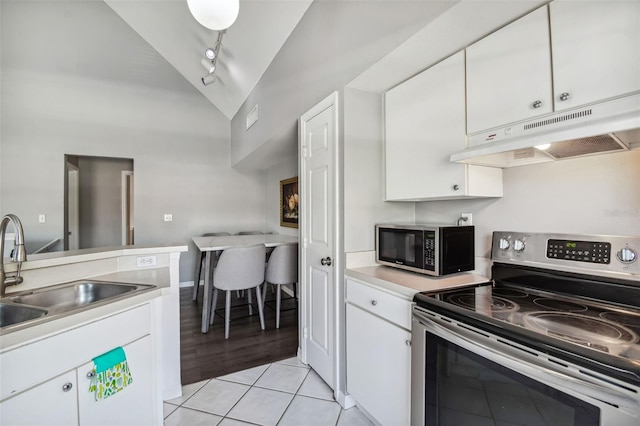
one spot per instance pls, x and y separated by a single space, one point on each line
407 284
160 277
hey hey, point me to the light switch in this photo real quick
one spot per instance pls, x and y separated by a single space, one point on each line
168 217
42 218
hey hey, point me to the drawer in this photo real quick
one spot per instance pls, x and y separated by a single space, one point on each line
380 303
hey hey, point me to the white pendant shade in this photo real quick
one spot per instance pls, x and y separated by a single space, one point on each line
216 15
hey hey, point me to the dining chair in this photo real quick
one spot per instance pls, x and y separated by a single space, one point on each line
282 268
203 256
239 268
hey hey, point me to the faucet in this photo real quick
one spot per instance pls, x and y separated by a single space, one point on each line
18 254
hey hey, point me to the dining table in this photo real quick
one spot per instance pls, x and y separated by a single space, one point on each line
216 244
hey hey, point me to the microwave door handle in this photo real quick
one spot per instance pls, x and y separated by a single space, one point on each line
525 363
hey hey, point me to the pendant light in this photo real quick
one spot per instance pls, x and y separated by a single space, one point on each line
215 14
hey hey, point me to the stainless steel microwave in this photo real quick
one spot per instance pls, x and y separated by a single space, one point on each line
428 249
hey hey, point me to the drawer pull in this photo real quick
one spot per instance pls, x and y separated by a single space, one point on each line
67 387
91 374
407 342
374 302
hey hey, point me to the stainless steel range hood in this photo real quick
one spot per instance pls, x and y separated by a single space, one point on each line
598 128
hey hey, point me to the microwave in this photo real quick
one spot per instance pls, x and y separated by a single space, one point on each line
427 249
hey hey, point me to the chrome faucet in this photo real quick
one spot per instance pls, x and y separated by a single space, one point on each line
18 254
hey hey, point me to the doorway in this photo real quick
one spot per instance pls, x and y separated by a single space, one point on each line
98 202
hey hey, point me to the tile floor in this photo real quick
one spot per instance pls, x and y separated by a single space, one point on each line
283 393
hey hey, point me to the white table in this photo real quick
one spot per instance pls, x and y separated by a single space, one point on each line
215 244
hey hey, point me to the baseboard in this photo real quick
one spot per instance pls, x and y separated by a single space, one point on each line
345 401
189 283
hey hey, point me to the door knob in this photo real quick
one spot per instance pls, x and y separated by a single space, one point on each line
326 261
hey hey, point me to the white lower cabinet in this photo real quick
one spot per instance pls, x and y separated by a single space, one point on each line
132 405
47 381
51 403
378 353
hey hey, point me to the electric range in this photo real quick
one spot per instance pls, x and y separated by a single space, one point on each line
566 306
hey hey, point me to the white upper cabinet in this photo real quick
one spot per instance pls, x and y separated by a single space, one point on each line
509 74
424 125
596 50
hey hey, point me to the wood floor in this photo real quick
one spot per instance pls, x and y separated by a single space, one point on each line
204 356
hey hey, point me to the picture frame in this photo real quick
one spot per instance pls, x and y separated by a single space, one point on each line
289 202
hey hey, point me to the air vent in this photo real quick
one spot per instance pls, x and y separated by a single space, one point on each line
558 119
585 146
521 154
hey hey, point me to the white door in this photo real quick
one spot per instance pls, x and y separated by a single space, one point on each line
318 136
73 208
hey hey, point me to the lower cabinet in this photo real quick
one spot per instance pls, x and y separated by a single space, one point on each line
51 403
379 353
47 382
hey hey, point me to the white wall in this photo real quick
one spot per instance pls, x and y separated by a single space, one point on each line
364 172
591 195
333 43
286 169
105 92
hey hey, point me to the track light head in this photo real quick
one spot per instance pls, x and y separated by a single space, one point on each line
210 53
208 65
208 79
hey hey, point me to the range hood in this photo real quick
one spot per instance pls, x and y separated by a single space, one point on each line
599 128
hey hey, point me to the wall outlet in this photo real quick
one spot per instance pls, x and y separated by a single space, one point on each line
142 261
469 218
168 217
42 218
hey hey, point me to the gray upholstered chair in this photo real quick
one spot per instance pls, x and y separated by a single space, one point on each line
282 268
214 259
239 268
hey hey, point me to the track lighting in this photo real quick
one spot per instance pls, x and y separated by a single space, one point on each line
208 65
208 79
210 60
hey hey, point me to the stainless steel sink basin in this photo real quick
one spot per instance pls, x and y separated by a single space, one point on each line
72 296
12 314
29 307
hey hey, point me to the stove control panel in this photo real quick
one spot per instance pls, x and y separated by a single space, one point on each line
581 253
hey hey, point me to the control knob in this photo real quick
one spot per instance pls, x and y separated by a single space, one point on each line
627 255
518 245
503 244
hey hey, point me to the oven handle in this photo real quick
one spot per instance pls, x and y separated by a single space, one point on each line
525 363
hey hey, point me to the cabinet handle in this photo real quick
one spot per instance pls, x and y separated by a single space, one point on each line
407 342
456 187
67 387
91 374
537 104
564 96
374 302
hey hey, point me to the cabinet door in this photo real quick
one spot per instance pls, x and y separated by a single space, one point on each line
424 125
379 366
509 74
50 403
135 404
596 50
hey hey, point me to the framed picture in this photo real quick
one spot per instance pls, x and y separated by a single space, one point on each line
289 201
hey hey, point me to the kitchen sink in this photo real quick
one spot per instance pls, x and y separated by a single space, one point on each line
48 303
72 296
13 314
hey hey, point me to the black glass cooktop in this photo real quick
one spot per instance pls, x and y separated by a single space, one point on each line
607 328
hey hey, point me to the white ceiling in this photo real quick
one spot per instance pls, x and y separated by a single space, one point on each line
248 46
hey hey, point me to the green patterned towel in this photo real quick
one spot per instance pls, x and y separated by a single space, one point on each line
111 374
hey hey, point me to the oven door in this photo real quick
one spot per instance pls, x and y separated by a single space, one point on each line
464 376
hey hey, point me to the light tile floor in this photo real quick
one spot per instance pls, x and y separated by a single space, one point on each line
283 393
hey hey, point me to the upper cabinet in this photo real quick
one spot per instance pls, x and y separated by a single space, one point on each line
596 50
561 56
424 125
509 74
